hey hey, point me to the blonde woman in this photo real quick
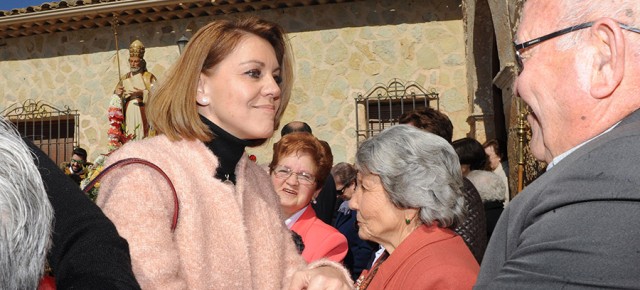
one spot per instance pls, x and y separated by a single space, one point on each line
227 91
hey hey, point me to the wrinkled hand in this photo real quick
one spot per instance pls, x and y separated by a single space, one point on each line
321 278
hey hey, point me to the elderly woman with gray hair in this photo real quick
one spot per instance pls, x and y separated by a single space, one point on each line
408 196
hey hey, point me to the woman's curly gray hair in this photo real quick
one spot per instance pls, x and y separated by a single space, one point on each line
418 170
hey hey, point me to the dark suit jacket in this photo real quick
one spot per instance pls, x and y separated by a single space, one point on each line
492 211
87 251
325 205
359 251
578 225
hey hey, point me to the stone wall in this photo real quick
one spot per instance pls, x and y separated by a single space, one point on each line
340 50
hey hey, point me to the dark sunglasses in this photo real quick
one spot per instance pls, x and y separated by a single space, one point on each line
344 187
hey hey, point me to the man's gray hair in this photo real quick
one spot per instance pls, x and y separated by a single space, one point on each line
26 215
418 170
580 11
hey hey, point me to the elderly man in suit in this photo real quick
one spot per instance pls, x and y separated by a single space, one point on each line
578 225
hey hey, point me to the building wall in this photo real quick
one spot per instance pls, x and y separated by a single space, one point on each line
340 50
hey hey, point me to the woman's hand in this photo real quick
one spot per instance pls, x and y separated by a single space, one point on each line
320 278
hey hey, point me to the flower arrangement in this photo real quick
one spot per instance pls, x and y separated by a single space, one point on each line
117 131
94 170
117 137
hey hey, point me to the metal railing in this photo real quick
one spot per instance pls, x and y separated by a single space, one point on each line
381 106
54 130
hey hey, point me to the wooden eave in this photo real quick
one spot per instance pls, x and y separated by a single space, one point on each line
81 14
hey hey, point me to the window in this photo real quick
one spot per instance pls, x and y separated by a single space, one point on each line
52 130
380 108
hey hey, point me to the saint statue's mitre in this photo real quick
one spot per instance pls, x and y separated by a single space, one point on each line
136 49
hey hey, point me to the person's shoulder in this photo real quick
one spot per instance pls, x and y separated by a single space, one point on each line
443 254
320 228
342 217
255 167
64 165
153 148
85 169
447 268
149 74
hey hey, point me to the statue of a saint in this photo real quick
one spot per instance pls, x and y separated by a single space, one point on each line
134 89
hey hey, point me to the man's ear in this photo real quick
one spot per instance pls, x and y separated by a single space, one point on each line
609 57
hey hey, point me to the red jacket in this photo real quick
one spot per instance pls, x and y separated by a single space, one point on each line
320 240
429 258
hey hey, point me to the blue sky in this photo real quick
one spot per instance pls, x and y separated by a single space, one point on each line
11 4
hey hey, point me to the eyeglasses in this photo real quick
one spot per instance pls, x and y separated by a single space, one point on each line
347 185
77 161
283 172
530 43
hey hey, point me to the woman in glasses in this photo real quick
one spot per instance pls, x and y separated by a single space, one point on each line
298 170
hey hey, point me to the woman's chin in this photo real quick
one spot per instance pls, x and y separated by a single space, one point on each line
362 234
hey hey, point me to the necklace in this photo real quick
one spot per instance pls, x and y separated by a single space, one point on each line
227 181
364 279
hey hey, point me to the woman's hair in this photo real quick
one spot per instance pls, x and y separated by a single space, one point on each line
172 109
26 215
302 142
490 186
418 170
471 152
344 173
430 120
496 147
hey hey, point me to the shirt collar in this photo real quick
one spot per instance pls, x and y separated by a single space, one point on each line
294 218
559 158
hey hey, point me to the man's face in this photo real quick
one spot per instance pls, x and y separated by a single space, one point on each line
77 162
551 82
134 64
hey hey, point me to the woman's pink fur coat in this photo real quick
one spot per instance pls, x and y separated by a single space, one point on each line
226 238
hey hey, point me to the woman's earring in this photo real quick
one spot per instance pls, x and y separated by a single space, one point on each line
407 221
314 201
204 101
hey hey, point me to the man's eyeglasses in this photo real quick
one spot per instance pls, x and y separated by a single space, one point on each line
347 185
283 172
530 43
81 162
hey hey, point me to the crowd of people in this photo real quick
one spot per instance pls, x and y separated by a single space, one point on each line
415 210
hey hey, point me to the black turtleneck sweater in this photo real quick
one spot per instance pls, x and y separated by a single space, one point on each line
227 148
